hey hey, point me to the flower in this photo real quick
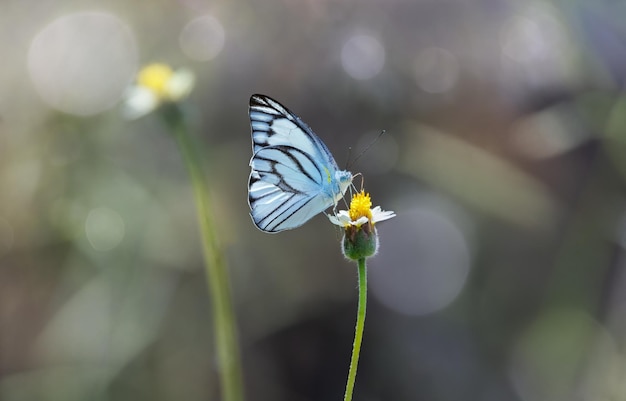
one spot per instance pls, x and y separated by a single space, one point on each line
360 238
156 84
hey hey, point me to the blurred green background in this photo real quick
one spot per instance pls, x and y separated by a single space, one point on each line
503 276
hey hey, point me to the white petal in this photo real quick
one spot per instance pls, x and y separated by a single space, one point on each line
334 220
181 83
342 218
139 101
381 215
360 221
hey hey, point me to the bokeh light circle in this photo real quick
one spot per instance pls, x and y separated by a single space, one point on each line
104 229
436 70
523 40
202 38
548 359
362 57
423 262
81 63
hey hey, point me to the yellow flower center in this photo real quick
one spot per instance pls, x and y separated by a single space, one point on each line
155 77
360 205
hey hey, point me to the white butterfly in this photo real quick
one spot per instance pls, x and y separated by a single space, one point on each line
294 176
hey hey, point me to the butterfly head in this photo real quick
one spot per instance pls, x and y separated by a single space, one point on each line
344 179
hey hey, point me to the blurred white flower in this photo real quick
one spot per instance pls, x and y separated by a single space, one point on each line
157 84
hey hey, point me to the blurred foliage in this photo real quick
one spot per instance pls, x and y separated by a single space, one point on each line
504 159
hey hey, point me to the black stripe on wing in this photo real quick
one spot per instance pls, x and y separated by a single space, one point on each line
268 105
263 112
293 204
289 168
273 124
283 182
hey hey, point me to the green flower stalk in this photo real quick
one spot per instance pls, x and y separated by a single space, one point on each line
360 241
160 88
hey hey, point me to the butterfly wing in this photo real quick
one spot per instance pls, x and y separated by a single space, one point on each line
273 124
285 188
293 172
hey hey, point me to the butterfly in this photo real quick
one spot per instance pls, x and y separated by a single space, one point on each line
294 177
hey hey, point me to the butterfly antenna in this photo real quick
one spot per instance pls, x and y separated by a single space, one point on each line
366 149
348 158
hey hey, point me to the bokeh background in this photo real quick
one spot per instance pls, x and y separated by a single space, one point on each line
501 278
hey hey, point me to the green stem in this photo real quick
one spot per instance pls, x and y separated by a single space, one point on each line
358 331
216 273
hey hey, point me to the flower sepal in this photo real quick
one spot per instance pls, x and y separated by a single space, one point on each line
360 242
